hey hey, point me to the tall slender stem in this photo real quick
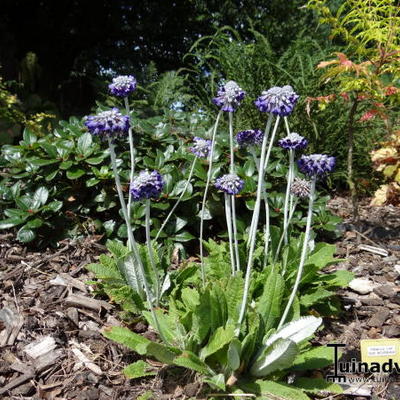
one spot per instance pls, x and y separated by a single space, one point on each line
150 250
179 199
303 253
203 204
278 249
132 241
253 227
235 239
228 215
132 152
254 223
288 195
233 202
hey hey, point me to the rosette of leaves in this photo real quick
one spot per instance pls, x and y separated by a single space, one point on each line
201 335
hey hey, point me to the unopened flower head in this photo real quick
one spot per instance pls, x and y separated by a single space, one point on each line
250 137
122 86
201 147
147 185
293 141
316 164
107 124
278 100
229 96
230 184
300 188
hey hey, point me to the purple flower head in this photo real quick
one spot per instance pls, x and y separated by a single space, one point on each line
277 100
230 184
300 188
293 141
122 85
147 185
107 124
316 164
251 137
201 147
229 96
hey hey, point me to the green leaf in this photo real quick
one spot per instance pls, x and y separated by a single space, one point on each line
84 145
49 177
41 195
340 278
317 357
220 338
11 222
38 162
29 137
75 173
50 149
234 295
234 351
34 223
16 213
317 386
26 203
95 160
322 255
141 345
315 295
270 302
54 206
280 355
25 235
138 369
189 360
183 237
274 390
92 182
217 381
66 164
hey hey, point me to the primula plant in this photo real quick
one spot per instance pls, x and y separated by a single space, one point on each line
239 317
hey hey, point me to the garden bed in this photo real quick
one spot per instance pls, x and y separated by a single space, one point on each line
44 300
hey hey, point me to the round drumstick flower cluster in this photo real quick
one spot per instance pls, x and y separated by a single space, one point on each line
147 185
293 141
316 164
278 100
229 183
107 124
122 86
229 96
250 137
201 147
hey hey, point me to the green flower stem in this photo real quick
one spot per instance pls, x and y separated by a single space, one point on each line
285 229
235 240
139 276
254 222
290 176
179 199
150 250
132 152
233 202
267 222
228 215
203 205
290 164
253 227
303 253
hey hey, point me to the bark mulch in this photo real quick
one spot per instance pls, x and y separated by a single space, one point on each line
50 321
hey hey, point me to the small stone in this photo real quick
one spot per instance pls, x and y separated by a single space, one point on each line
385 291
390 259
379 318
372 301
391 331
392 306
396 320
362 286
397 268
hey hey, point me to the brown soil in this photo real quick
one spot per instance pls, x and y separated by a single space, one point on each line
44 300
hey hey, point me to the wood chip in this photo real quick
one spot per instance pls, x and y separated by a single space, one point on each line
86 362
40 347
87 302
68 281
13 322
